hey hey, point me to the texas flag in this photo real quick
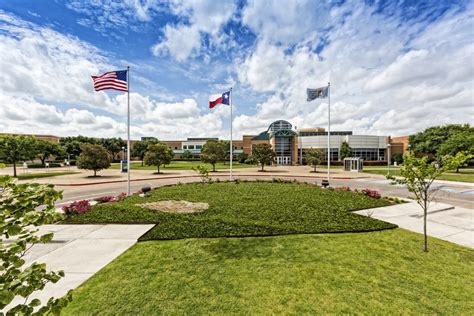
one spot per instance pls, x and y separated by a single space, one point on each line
223 99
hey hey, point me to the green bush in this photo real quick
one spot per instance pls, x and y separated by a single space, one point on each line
38 165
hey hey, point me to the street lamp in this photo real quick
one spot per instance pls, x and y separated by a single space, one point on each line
388 158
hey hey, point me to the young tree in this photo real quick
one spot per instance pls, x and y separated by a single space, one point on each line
23 207
264 154
14 149
47 149
187 155
212 152
314 157
140 148
93 157
418 175
345 151
157 155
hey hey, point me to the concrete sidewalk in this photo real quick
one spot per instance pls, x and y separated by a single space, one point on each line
454 224
81 251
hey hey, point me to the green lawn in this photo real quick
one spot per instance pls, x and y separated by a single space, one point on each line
184 165
244 209
464 175
27 176
378 273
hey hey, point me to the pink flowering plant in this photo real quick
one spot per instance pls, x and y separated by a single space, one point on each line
77 207
121 196
372 193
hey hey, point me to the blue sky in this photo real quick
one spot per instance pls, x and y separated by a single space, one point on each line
395 67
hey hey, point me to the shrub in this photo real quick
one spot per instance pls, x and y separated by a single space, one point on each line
343 188
39 165
105 199
372 193
121 196
77 207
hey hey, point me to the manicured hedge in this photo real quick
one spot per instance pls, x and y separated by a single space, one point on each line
39 165
244 209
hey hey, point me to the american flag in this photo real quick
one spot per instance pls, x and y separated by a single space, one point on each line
112 80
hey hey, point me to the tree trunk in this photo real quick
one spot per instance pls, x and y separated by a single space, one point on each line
43 159
95 173
214 167
142 161
457 169
263 166
158 169
425 215
14 169
315 168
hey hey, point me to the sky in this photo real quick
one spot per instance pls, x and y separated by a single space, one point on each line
395 67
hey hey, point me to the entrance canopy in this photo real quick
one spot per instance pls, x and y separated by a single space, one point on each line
353 164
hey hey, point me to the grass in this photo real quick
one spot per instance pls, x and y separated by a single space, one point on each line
27 176
379 273
184 165
464 175
244 209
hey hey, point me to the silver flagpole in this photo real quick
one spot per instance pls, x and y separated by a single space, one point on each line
329 130
231 149
128 130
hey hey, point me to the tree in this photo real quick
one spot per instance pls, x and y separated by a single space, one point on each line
23 207
140 148
212 152
47 149
460 159
430 140
418 174
314 157
264 154
345 151
113 145
187 155
459 142
157 155
14 148
242 157
72 144
93 157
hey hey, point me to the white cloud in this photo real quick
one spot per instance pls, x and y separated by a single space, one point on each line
202 17
285 22
388 76
103 15
46 88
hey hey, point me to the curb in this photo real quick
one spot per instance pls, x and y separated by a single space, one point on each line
196 176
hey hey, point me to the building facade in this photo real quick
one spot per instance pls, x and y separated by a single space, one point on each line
290 144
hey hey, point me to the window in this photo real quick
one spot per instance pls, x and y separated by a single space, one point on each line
198 146
190 146
185 146
176 148
367 153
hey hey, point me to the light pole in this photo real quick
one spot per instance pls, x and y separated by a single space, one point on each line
388 158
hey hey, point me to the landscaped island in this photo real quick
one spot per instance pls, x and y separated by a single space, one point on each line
244 209
368 267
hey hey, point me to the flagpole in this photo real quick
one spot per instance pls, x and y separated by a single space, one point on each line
329 130
128 130
231 146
